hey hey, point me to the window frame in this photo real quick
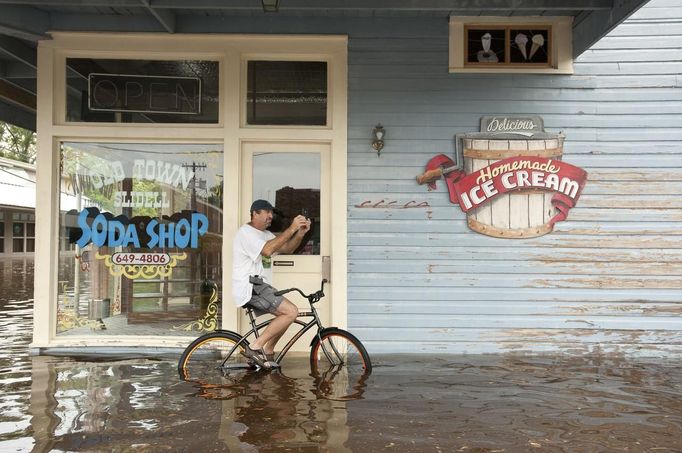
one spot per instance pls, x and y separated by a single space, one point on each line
23 219
229 50
559 42
507 45
61 87
2 232
244 88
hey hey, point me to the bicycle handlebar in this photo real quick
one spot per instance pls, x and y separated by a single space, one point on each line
312 297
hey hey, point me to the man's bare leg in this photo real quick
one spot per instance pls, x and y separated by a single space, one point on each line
284 317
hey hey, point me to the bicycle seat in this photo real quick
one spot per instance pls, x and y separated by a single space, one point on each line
250 311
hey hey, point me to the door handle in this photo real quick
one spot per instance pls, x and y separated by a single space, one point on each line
282 263
327 268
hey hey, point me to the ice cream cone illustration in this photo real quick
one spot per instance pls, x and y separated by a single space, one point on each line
521 40
485 41
538 41
486 55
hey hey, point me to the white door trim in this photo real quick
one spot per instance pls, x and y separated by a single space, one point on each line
230 51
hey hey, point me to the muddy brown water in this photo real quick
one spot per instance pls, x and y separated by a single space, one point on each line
494 403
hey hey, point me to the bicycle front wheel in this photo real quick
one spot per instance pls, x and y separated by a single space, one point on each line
211 356
336 347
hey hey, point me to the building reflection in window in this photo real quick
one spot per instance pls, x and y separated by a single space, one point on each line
146 235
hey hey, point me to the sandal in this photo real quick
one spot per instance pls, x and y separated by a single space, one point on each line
254 355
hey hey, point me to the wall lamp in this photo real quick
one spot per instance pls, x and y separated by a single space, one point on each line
270 6
378 141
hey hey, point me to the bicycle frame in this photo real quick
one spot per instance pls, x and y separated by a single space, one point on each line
305 326
255 330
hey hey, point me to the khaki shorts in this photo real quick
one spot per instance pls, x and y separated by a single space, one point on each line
264 300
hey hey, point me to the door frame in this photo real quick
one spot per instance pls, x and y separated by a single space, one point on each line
305 264
333 50
232 51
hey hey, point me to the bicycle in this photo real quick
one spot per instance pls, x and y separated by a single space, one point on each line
220 351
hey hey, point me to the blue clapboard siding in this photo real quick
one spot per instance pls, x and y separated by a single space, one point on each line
607 280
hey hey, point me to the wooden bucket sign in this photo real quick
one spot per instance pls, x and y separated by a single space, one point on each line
512 182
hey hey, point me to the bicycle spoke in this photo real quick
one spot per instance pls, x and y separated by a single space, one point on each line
210 358
338 349
325 346
340 365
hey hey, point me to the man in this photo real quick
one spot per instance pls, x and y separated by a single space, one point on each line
253 249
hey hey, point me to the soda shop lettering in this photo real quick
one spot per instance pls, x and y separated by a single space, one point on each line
137 199
143 169
518 173
181 231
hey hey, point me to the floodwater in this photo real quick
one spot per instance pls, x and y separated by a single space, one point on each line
410 403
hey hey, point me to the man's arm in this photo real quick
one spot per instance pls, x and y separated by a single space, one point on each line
293 243
289 239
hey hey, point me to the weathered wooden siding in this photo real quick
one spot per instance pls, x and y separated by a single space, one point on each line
607 280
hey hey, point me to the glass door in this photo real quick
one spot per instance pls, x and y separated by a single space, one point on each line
294 178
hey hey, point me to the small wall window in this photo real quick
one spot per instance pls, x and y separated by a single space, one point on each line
286 93
537 44
142 91
512 46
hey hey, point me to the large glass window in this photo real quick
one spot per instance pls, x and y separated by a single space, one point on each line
141 91
23 232
287 93
291 183
147 230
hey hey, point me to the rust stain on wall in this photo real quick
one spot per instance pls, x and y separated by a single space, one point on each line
589 267
636 230
607 174
582 337
648 309
625 241
607 282
661 310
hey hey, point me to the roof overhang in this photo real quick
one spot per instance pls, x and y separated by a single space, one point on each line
24 22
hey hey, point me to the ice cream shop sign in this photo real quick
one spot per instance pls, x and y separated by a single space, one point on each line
512 182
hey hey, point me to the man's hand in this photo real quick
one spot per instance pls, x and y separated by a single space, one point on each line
290 239
299 225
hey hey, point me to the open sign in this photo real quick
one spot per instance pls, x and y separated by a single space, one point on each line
145 94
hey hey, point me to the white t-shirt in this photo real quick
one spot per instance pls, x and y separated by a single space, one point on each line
247 261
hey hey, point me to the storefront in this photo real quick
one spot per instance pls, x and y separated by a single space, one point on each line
551 224
164 142
17 216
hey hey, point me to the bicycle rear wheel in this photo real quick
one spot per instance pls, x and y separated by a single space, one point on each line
338 348
211 356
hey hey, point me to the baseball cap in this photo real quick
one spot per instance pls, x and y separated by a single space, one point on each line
261 204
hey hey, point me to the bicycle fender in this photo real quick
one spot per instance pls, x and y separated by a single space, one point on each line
322 332
231 332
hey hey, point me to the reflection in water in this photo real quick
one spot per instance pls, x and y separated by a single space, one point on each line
336 383
16 312
142 403
266 410
409 403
